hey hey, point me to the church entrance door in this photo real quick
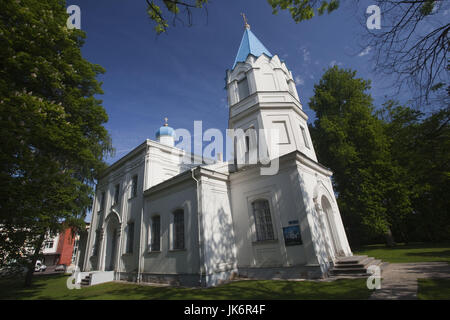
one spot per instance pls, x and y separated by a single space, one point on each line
330 223
111 243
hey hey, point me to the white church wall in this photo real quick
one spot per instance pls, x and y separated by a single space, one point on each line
218 235
325 188
164 163
282 121
328 238
248 186
169 261
318 245
132 207
127 208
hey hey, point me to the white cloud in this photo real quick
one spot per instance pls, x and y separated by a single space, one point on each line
335 63
365 51
306 54
299 81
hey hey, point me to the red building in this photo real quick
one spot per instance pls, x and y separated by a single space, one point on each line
59 250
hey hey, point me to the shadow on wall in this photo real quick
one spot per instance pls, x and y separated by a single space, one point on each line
315 245
220 249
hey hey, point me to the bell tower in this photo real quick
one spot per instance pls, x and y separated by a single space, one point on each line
262 95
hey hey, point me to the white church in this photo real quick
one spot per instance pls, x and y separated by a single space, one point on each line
156 218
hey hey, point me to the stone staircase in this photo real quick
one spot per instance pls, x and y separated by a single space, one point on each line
86 281
355 266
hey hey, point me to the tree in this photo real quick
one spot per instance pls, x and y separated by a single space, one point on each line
304 9
51 125
421 145
159 12
412 46
350 139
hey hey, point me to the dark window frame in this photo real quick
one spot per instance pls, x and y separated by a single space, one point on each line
134 183
243 88
130 237
155 236
263 220
116 197
178 230
102 201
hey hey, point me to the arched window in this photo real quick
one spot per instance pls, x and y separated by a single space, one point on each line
178 230
263 220
155 236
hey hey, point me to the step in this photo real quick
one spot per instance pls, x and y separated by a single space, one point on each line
360 264
356 265
361 271
351 259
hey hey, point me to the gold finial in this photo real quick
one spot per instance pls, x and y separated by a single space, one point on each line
246 25
165 122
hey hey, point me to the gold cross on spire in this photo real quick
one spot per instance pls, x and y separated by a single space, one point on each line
165 122
246 25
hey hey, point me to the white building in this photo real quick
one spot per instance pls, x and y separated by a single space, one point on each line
157 219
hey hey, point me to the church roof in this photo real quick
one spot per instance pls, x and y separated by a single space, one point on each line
250 44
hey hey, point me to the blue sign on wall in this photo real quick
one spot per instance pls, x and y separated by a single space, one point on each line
292 236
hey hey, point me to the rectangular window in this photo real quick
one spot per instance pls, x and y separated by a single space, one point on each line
49 244
178 229
102 201
134 186
96 243
263 220
156 234
243 89
305 138
130 237
116 194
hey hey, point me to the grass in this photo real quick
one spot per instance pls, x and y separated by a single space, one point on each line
434 289
54 287
416 252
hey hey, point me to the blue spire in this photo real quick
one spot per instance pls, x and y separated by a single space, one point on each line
250 44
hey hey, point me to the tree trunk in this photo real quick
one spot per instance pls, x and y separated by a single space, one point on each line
390 242
37 249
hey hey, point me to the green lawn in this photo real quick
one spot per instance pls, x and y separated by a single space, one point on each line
434 289
54 287
419 252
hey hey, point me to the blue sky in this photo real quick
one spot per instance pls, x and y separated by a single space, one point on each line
181 74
